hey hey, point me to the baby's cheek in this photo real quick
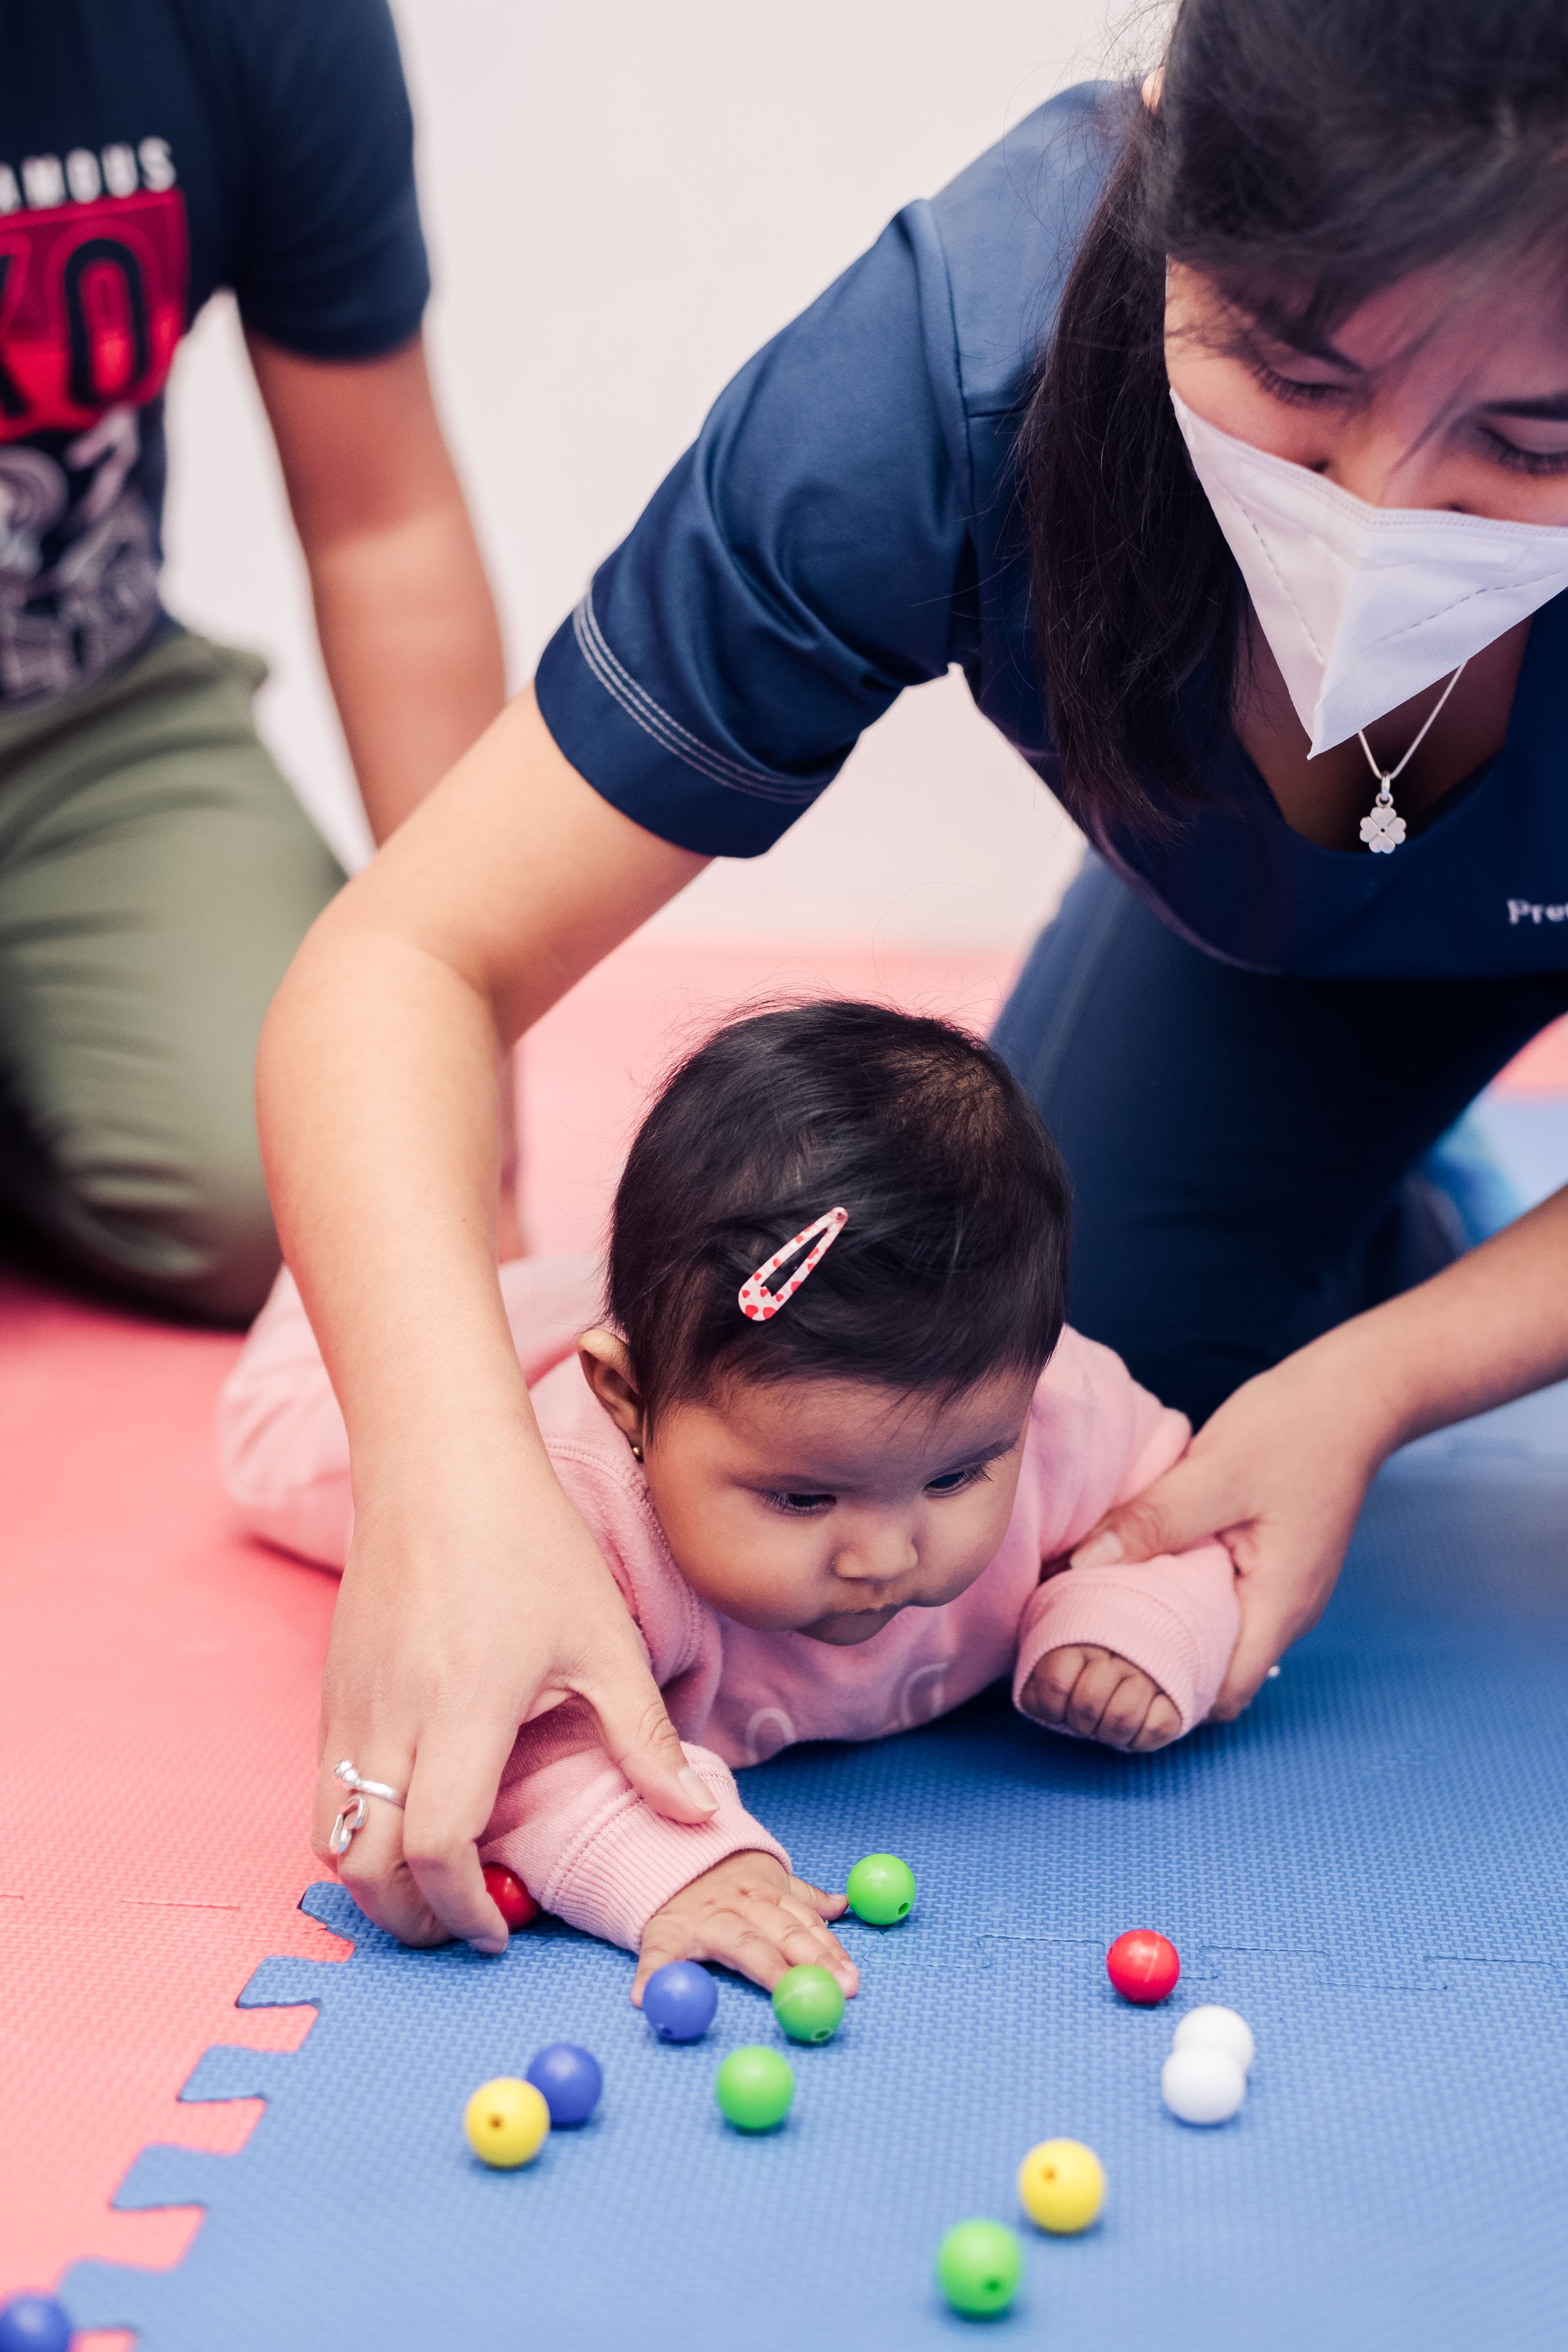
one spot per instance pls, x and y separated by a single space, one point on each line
961 1554
770 1577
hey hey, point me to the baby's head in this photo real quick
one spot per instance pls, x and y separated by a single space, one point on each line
857 1452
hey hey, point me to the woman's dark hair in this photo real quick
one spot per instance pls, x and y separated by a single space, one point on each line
953 1264
1305 154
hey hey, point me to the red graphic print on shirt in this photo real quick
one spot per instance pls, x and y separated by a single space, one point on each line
92 305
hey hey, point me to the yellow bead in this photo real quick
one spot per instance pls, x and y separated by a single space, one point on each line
507 2122
1061 2186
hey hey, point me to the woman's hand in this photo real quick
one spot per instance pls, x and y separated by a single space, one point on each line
1278 1474
448 1632
1281 1471
748 1913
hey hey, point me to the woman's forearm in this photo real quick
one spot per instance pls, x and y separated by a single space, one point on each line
473 1594
376 1095
1492 1326
376 1077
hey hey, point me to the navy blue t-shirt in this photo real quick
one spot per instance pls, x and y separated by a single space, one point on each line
150 152
847 524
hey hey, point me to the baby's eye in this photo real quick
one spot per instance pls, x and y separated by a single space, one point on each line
953 1482
801 1506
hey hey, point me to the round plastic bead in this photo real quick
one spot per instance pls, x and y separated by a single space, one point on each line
1213 2028
1201 2084
570 2079
881 1890
1143 1966
507 2122
34 2322
754 2088
1061 2186
678 2001
808 2004
978 2266
510 1896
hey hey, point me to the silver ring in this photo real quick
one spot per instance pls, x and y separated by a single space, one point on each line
351 1820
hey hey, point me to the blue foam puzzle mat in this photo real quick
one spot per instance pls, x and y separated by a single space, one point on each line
1372 1864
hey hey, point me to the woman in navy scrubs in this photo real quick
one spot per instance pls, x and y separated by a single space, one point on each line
1199 431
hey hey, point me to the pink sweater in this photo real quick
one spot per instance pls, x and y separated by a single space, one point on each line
565 1820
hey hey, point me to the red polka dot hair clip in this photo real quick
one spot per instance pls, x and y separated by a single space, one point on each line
758 1303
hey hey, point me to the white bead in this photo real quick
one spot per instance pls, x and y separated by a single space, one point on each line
1212 2028
1202 2085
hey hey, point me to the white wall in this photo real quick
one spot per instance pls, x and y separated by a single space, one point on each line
622 200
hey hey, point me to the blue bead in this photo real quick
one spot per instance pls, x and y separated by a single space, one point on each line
570 2079
34 2322
679 2000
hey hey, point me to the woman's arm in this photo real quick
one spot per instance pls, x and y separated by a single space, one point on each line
1281 1470
404 611
472 1587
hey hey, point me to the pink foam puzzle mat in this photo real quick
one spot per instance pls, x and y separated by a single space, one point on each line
157 1712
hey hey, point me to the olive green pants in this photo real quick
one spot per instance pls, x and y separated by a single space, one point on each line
156 875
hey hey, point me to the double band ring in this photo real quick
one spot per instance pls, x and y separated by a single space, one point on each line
351 1820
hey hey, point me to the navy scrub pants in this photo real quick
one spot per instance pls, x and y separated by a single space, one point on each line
1244 1148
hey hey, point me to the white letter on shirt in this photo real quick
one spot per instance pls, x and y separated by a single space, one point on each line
157 164
43 181
120 170
82 173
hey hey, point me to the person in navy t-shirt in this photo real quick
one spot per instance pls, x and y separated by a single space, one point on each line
156 873
1220 435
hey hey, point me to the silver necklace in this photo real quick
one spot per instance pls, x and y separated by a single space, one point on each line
1383 828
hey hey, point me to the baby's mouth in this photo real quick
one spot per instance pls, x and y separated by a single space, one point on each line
845 1627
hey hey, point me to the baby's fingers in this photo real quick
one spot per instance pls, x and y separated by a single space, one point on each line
1051 1685
825 1906
1160 1726
828 1952
1126 1710
657 1949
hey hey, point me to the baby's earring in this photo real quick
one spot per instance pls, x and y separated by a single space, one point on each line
635 1444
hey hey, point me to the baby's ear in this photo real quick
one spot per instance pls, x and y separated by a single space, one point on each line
607 1369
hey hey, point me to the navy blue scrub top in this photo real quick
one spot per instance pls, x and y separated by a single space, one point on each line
847 524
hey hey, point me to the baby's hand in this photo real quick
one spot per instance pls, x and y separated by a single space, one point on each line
1101 1697
748 1913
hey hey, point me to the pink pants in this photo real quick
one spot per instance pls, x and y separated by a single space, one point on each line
283 1451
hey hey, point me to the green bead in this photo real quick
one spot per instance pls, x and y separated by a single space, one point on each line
754 2088
978 2265
882 1889
808 2004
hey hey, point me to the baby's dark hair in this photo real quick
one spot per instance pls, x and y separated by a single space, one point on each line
953 1264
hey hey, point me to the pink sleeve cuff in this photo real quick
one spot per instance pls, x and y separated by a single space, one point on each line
622 1862
1175 1617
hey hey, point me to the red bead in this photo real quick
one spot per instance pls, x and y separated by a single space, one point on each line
513 1899
1143 1965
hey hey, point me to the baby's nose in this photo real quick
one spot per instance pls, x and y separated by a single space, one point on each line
878 1555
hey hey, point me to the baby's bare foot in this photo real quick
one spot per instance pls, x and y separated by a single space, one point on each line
1101 1697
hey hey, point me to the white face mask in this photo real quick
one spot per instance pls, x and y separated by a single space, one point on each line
1364 606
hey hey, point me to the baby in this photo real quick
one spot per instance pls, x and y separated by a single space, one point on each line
834 1440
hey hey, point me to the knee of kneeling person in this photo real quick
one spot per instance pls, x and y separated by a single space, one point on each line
234 1243
180 1223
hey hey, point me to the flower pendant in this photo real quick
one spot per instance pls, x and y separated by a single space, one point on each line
1383 827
